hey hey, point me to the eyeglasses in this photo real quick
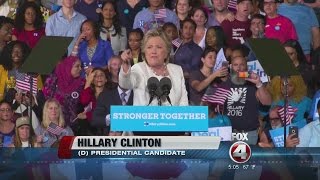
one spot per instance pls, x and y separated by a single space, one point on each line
5 110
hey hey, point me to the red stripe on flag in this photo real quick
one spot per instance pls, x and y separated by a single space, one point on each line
24 84
219 96
161 13
289 115
54 129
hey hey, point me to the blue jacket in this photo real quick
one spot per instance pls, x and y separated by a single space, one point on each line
100 57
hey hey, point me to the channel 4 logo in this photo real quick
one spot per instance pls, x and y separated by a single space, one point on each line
240 152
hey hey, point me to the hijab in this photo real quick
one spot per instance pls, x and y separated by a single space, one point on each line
66 82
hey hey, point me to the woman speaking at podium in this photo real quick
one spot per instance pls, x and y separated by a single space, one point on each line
155 51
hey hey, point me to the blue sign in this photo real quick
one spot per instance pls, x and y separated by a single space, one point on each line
159 118
277 134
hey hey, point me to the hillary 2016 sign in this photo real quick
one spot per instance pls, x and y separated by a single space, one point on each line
159 118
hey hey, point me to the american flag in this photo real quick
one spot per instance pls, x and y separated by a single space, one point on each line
160 13
216 95
23 83
177 42
290 114
232 4
54 129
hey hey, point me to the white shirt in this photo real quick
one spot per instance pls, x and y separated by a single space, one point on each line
202 43
118 42
25 144
137 77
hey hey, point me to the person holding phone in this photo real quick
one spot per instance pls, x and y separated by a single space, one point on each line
202 78
308 136
242 99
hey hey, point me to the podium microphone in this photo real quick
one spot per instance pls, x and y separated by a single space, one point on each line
152 85
165 86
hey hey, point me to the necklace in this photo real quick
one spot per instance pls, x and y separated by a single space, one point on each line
163 72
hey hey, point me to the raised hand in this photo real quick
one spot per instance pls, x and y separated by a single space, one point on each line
254 78
126 57
222 72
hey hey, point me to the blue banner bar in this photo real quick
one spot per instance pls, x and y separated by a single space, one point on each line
159 118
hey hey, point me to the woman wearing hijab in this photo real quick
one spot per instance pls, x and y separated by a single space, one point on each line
65 85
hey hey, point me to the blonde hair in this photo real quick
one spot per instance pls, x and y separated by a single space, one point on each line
300 89
156 33
45 117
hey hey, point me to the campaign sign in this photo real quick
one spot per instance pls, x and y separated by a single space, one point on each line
277 134
223 132
219 60
159 118
256 67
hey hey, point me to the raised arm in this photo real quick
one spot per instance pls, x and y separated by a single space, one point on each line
125 80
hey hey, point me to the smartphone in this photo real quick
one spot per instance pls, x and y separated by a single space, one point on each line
225 64
293 130
243 74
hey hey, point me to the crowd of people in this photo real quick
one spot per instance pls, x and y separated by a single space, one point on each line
119 44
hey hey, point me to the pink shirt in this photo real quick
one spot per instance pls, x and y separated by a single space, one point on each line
31 38
280 28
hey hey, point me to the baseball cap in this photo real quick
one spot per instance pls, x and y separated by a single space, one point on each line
22 121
